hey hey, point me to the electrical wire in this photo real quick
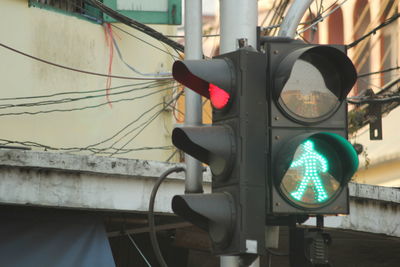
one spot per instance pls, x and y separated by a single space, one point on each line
81 108
152 230
169 75
378 72
78 70
83 92
172 155
125 127
373 31
29 144
204 36
276 253
136 25
379 98
68 100
138 249
142 127
100 20
144 124
148 43
375 100
151 120
319 19
155 115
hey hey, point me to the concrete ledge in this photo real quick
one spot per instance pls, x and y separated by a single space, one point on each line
375 192
87 164
86 182
373 209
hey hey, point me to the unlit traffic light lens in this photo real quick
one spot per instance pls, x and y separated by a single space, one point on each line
309 92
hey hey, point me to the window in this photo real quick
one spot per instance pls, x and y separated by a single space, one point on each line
389 43
335 24
361 58
144 11
75 7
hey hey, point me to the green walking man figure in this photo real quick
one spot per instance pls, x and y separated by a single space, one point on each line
313 164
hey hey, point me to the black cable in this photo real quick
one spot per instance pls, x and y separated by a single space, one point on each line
383 24
375 100
100 20
377 72
138 249
30 144
125 127
151 120
70 99
152 230
172 155
134 129
78 70
81 108
276 253
82 92
183 36
130 34
135 24
380 99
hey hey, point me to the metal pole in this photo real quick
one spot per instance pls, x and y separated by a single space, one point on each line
229 261
193 107
238 20
256 263
293 18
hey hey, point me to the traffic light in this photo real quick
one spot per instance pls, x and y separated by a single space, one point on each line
310 160
234 147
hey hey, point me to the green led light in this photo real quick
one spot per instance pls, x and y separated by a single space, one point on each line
313 164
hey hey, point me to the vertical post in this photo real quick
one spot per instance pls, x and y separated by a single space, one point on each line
229 261
238 20
193 107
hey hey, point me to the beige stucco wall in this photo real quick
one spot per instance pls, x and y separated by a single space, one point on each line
74 42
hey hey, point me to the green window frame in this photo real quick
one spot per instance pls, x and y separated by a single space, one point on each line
173 16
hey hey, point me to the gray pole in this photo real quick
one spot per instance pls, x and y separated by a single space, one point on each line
293 18
193 107
238 20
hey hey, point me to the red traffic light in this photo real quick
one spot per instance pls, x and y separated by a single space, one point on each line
219 98
213 79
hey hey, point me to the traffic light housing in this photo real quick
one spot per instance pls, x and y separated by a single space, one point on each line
310 160
234 147
277 146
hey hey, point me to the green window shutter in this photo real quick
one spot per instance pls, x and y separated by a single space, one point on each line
147 11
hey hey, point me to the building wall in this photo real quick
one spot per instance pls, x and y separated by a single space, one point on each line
81 44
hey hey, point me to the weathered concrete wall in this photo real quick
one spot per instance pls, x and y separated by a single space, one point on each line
81 44
86 182
373 209
92 182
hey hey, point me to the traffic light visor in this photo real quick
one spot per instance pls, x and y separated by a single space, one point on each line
316 168
212 79
213 145
311 82
215 213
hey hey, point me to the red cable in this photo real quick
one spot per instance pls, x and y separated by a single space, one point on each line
110 43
